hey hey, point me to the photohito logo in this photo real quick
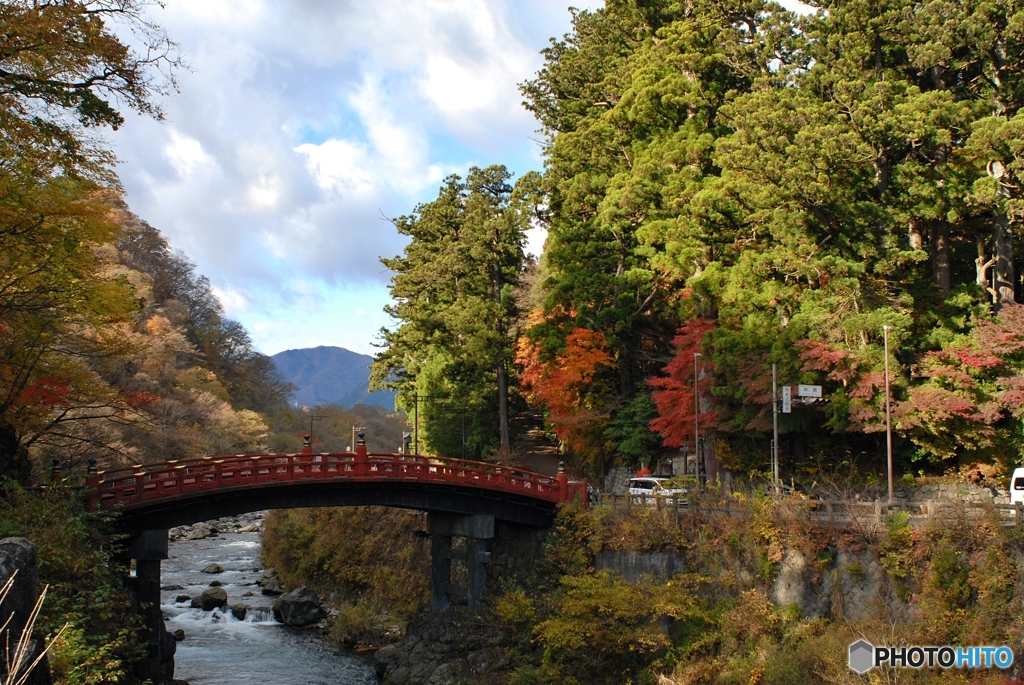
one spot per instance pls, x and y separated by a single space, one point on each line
864 656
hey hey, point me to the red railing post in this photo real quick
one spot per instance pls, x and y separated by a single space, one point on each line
563 482
361 466
307 444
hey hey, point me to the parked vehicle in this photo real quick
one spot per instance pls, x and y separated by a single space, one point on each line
1017 487
651 489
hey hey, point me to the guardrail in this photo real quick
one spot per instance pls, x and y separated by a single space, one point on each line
150 482
831 511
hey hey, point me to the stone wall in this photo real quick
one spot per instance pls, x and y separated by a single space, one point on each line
514 550
616 481
632 566
844 584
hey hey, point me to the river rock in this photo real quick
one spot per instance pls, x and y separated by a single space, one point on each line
18 559
247 593
212 598
300 607
215 583
178 635
214 568
183 598
238 611
441 648
272 587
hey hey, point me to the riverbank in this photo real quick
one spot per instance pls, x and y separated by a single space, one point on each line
761 594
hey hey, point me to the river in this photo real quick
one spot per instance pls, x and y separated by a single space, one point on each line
221 650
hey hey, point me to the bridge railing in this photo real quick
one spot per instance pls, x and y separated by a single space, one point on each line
149 482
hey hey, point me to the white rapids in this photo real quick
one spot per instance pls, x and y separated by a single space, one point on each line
218 649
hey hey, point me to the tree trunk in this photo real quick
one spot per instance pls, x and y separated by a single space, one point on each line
981 267
940 257
1002 245
506 442
915 236
14 460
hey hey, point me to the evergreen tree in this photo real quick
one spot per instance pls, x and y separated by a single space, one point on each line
449 356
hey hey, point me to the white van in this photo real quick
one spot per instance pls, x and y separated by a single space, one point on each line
649 489
1017 487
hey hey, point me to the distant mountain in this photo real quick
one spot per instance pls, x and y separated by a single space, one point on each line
330 375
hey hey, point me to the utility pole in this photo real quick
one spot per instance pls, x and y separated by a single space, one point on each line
307 410
775 428
888 413
696 417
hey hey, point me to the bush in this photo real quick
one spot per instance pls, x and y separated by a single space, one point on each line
369 561
76 553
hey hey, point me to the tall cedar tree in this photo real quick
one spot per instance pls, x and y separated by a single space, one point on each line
449 356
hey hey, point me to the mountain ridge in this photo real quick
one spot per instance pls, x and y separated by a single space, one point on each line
328 374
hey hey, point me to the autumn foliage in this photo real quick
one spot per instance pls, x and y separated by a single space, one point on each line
674 392
569 387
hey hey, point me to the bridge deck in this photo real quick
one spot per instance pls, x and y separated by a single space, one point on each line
162 486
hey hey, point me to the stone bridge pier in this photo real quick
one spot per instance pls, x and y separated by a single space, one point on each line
492 550
148 549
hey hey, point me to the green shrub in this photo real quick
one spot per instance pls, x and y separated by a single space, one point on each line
76 552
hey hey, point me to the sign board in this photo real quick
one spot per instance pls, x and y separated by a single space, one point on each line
787 399
808 390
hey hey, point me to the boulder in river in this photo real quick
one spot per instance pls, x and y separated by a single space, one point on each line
300 607
238 611
212 598
183 598
178 635
272 587
214 568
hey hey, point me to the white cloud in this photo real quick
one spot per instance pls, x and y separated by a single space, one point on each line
234 302
303 121
187 156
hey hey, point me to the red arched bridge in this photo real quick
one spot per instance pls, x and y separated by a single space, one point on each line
174 493
462 499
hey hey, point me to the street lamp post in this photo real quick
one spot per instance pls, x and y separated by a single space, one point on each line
696 415
888 413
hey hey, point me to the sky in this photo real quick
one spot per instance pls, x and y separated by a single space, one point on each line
302 125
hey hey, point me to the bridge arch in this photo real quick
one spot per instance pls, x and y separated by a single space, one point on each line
173 493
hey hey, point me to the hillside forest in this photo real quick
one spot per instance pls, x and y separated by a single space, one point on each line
729 185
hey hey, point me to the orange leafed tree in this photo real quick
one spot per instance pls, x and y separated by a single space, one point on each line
570 388
673 393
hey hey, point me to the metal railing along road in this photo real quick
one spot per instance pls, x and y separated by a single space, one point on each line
838 512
